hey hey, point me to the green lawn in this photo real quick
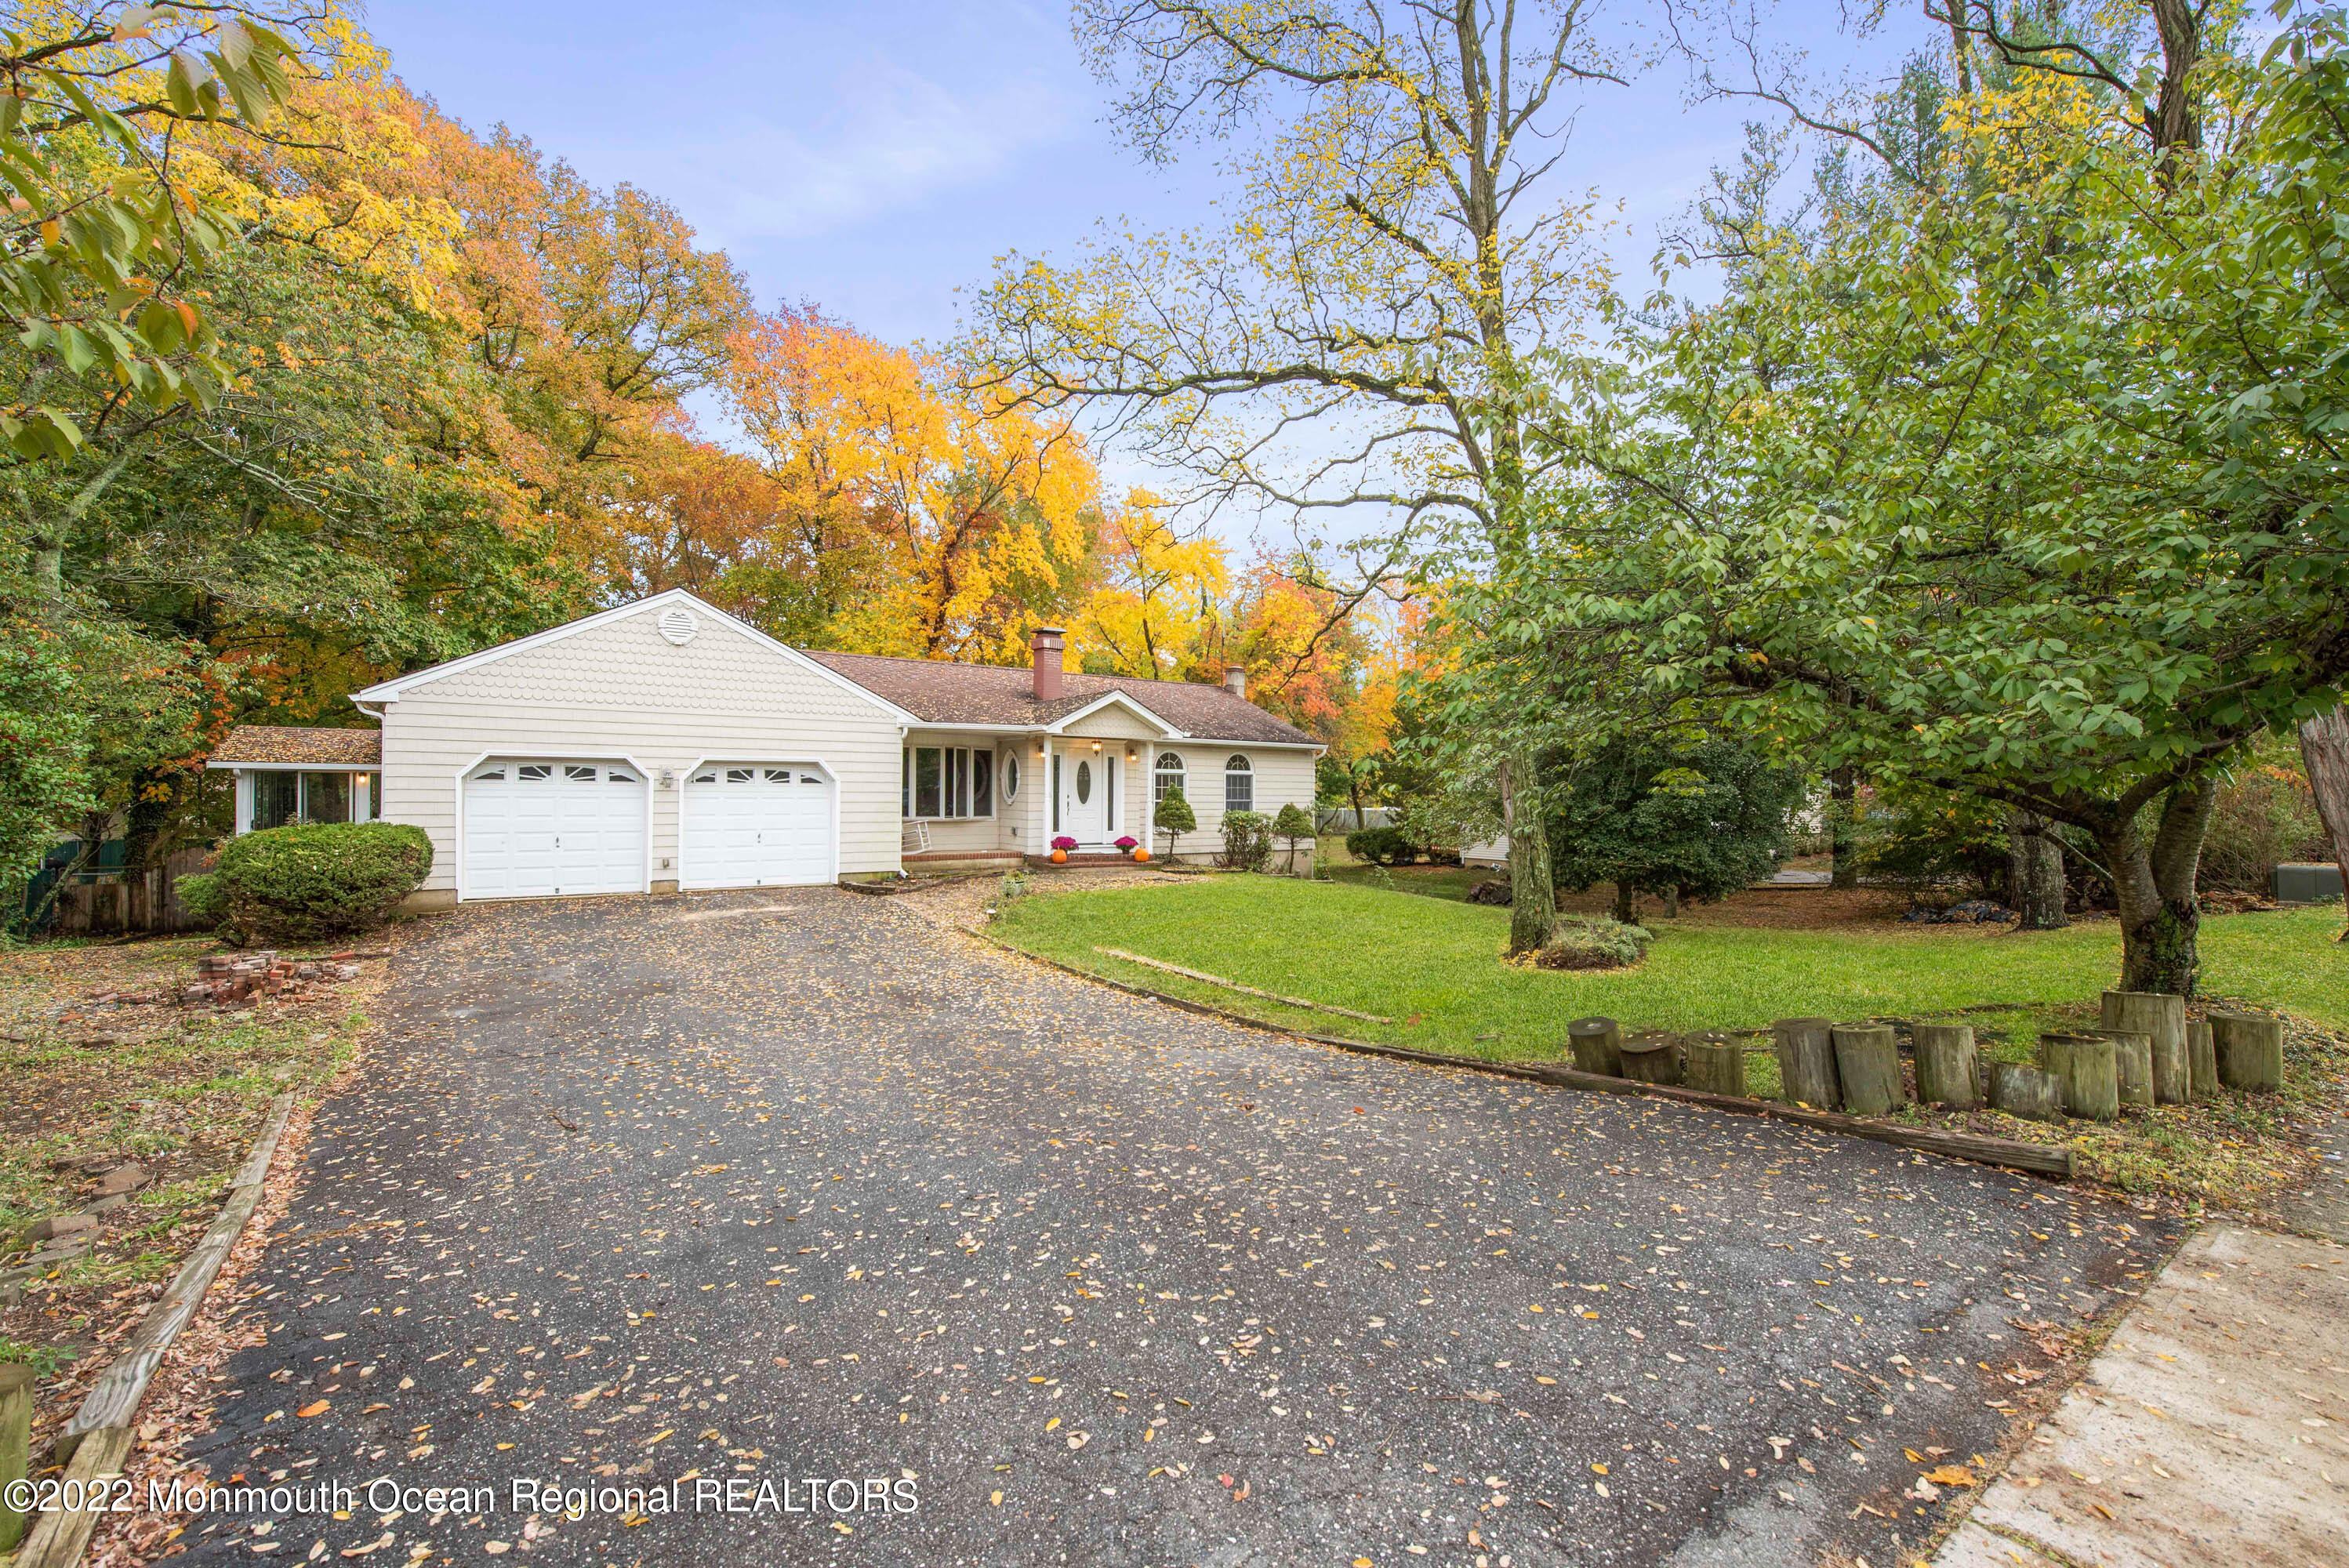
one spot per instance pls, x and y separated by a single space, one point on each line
1434 964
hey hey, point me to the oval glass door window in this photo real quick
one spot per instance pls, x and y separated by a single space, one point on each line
1084 782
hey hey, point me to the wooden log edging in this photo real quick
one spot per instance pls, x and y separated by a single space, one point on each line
2009 1153
97 1442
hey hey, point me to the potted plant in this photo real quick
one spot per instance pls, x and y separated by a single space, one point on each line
1129 843
1060 848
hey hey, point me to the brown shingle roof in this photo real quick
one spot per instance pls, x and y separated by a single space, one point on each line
310 748
939 693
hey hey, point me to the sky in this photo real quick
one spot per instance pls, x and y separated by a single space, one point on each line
876 159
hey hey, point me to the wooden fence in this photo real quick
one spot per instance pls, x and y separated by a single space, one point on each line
101 903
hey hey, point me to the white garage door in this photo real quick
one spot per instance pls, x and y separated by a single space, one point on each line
757 825
538 826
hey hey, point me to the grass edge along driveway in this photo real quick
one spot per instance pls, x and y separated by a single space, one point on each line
1434 965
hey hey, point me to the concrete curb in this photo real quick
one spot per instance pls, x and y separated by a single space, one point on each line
97 1441
2012 1154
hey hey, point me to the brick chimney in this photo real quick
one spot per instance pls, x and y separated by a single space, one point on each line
1235 680
1046 646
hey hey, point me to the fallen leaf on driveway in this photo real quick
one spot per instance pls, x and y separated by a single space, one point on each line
316 1408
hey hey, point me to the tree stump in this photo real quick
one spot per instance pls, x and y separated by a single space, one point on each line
2203 1062
1717 1067
2026 1091
1867 1061
2089 1066
2133 1062
2250 1049
1598 1046
1651 1058
2162 1018
1948 1068
1807 1063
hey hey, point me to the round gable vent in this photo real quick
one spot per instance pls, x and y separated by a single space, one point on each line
678 625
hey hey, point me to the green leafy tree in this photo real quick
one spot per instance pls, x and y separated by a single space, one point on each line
43 747
1681 822
2024 483
1175 818
1293 825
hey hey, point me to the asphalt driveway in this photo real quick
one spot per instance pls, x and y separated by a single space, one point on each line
790 1225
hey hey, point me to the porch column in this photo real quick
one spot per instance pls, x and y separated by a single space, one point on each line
1048 800
244 778
1150 796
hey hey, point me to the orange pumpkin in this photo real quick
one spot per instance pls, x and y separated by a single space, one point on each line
1142 855
1059 857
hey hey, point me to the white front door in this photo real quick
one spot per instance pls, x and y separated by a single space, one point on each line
757 825
1088 784
538 827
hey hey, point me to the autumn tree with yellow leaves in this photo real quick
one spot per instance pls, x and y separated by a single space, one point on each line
1352 349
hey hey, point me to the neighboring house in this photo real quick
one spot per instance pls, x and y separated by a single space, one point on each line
666 745
1491 854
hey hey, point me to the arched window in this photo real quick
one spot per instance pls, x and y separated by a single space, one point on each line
1169 773
1010 776
1239 784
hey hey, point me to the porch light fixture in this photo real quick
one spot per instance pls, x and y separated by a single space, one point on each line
1096 745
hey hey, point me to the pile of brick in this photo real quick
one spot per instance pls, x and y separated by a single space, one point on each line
241 979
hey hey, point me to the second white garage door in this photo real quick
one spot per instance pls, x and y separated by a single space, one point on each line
758 825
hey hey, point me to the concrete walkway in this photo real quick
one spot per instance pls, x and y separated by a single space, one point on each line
2212 1432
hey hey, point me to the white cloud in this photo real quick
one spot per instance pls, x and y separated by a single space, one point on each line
887 139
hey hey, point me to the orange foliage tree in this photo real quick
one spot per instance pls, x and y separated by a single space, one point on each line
972 521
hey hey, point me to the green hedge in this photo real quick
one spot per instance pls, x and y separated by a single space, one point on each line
1382 846
302 884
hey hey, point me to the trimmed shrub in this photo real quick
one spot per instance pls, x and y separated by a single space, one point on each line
205 895
1594 941
1175 818
1381 846
1247 841
327 879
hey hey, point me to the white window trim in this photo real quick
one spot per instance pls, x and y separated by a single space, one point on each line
1178 775
906 782
1247 769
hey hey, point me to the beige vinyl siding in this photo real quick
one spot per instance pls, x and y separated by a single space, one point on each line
1281 776
621 691
1114 722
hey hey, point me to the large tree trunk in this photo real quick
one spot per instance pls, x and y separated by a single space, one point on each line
1843 793
2034 875
1627 904
2325 752
2160 916
1533 904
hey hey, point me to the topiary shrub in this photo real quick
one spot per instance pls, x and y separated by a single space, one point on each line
1594 941
1381 846
328 878
1173 817
1247 841
1293 825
